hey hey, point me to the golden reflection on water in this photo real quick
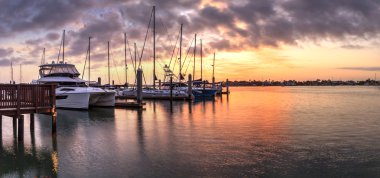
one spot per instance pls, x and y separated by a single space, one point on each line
260 131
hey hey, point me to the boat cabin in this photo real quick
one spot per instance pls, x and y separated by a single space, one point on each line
58 70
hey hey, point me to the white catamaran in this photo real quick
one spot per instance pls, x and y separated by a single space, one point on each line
72 92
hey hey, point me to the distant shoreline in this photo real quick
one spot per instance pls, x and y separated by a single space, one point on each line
317 82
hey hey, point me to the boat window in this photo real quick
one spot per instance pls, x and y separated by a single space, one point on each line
67 89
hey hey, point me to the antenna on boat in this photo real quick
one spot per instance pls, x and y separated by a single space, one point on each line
109 75
43 57
154 47
195 51
135 59
180 55
11 72
125 58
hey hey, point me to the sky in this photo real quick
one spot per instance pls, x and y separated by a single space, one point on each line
252 39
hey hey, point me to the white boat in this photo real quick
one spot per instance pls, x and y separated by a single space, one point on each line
72 92
155 94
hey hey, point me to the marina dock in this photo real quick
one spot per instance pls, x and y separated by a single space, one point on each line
18 100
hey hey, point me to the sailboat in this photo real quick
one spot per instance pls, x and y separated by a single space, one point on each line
72 92
155 93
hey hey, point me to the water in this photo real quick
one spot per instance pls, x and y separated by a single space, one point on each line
255 132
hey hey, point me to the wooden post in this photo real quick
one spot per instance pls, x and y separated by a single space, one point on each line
54 123
171 88
20 128
32 122
99 81
1 124
204 87
1 132
227 86
139 86
14 123
159 84
189 86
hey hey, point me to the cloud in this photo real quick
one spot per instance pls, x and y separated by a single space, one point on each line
5 52
228 25
16 60
350 46
361 68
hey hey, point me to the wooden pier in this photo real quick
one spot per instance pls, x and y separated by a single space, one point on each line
20 99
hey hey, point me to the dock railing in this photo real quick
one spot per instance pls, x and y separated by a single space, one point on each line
19 99
26 98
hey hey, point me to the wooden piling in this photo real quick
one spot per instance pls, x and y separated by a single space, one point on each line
159 84
1 131
54 123
204 86
32 122
139 86
189 86
14 124
20 128
228 86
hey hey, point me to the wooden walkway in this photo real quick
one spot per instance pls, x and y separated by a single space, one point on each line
20 99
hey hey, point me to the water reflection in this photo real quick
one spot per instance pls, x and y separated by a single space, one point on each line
258 132
19 159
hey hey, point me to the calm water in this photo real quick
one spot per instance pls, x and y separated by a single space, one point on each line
260 131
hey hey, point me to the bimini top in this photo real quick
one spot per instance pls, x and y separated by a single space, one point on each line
58 70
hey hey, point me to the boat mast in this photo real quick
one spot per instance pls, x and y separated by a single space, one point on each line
180 55
201 62
125 58
154 46
89 59
63 46
195 51
109 74
213 71
20 74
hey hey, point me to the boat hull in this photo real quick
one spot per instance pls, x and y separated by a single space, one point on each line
72 100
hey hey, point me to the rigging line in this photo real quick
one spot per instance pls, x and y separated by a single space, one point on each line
146 35
85 62
188 50
174 47
114 65
130 52
188 64
167 32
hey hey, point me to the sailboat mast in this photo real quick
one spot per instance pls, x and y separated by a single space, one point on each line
154 46
213 71
109 74
195 51
125 58
201 61
89 59
180 55
63 46
20 74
